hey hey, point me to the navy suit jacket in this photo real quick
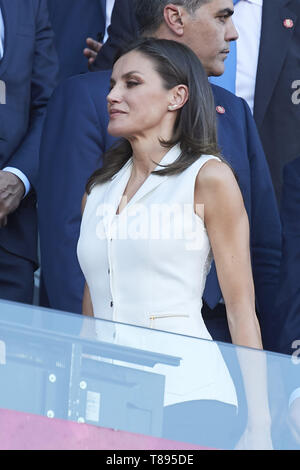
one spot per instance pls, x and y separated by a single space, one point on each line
29 71
277 93
73 140
287 327
123 29
72 22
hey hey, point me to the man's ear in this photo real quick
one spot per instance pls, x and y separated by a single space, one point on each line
179 95
173 15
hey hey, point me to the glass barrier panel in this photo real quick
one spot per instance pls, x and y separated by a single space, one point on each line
147 381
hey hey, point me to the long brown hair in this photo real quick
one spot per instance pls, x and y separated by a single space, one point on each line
195 126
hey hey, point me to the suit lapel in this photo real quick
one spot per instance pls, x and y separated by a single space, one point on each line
274 44
103 9
10 19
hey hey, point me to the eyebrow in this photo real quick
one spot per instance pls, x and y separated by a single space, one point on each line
226 12
127 75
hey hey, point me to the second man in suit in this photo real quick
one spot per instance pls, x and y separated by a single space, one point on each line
268 76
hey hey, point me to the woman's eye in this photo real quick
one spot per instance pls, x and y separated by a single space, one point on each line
132 84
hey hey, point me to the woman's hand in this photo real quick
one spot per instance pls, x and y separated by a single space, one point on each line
255 438
294 420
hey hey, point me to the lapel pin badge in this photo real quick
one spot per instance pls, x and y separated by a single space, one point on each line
220 110
288 23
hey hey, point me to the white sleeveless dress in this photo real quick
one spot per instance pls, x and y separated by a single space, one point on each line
148 267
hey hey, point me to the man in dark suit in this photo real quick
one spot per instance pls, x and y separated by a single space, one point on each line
28 73
76 139
238 139
286 329
72 22
268 76
276 107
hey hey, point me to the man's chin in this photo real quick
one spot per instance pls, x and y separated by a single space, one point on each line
216 73
217 69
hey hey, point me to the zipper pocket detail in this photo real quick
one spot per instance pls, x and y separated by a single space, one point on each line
167 315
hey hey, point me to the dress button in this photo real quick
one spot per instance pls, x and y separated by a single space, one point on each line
111 304
108 271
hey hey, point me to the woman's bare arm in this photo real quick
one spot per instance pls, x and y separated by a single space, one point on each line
218 197
87 306
227 226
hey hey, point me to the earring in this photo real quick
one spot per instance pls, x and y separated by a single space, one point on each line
172 107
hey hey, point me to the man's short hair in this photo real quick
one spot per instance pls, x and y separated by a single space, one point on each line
150 13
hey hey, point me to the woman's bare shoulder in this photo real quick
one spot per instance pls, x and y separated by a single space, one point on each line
215 172
215 178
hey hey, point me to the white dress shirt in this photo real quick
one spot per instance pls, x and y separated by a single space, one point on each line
109 9
247 19
16 172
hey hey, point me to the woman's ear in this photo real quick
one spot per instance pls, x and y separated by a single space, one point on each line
179 95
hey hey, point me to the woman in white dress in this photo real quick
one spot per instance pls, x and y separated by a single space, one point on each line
163 203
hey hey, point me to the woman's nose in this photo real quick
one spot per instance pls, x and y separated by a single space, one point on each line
114 96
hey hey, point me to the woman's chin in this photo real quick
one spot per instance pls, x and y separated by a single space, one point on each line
115 132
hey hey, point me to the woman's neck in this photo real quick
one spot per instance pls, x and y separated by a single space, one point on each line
146 156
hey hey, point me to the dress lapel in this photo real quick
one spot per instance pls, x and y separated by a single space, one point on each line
153 181
274 45
118 184
114 192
